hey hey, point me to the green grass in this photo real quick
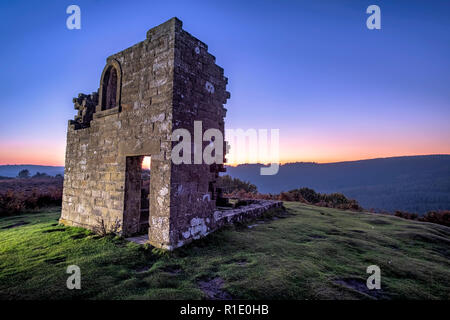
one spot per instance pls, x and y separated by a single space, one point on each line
310 253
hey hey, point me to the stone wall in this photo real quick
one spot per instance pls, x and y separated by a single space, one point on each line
140 124
165 82
199 94
199 227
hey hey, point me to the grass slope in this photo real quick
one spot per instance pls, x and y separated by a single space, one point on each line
310 253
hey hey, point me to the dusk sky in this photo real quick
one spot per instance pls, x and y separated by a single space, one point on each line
336 90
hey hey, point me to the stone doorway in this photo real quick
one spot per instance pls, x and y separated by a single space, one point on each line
137 200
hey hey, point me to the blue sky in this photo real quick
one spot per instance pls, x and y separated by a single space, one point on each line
336 90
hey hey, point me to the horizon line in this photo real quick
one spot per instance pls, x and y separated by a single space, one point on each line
259 163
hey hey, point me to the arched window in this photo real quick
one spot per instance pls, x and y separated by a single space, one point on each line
109 94
110 86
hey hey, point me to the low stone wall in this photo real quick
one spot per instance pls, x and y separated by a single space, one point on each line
201 227
244 213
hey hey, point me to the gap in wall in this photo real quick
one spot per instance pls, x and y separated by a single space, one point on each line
145 192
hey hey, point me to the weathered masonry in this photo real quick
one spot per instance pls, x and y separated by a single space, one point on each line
165 82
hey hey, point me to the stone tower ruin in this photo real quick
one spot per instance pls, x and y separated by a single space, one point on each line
165 82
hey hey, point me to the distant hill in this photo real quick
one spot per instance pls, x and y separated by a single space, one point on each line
415 184
11 170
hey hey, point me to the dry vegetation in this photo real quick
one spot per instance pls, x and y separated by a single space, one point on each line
237 189
21 194
439 217
303 195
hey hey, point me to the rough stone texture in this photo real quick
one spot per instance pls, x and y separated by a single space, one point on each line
143 239
241 214
199 227
165 82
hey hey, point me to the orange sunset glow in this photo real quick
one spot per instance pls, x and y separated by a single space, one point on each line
320 150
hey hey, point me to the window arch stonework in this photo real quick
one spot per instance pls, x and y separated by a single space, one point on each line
110 86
